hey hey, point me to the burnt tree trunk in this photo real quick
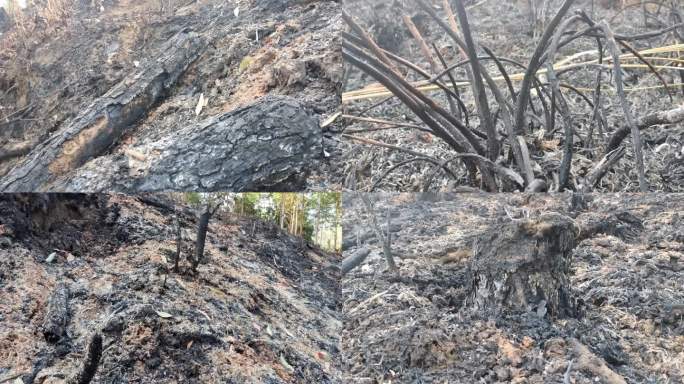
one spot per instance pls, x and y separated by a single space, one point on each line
270 145
387 245
523 266
385 240
202 228
57 315
106 119
179 240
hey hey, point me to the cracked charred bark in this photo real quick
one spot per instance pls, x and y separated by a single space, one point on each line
269 145
106 120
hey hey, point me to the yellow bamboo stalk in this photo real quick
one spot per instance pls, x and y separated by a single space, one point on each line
377 90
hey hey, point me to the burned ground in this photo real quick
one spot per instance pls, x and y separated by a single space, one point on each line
506 28
56 69
417 326
263 307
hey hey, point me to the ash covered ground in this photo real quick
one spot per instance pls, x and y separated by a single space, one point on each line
415 326
262 308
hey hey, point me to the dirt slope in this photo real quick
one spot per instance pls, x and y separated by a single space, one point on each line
415 327
52 69
262 309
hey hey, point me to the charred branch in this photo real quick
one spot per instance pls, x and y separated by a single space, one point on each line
354 260
90 361
57 315
672 116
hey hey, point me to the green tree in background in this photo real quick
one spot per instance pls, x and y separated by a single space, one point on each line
245 203
313 216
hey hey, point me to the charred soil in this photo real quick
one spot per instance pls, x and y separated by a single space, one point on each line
420 326
86 286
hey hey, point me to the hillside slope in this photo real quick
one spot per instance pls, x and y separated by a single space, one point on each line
417 326
94 95
261 309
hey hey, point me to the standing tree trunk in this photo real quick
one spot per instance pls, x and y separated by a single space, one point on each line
295 215
301 219
178 244
293 208
387 245
384 240
202 228
338 203
524 266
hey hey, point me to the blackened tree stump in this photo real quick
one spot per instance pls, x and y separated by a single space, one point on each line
523 266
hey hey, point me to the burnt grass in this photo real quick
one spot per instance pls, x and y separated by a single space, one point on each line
415 326
262 308
505 28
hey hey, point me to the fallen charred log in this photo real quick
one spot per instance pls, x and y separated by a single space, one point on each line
352 261
271 144
106 120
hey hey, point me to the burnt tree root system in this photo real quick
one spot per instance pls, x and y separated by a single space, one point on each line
515 288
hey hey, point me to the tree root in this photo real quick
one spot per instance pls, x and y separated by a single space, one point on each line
589 362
